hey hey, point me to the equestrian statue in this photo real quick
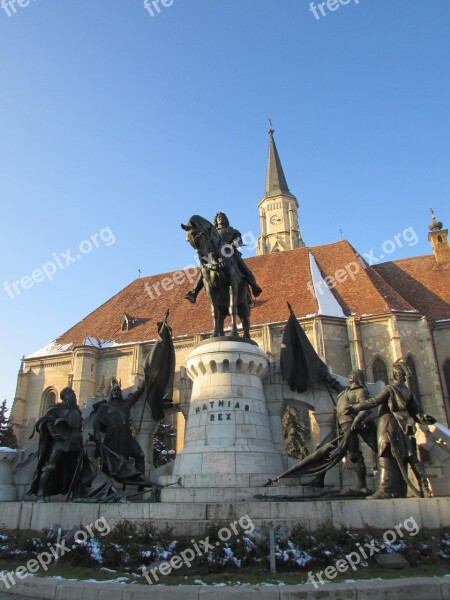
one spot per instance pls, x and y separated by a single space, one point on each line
224 275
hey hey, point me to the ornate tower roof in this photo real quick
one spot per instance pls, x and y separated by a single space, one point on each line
278 208
435 225
275 179
439 241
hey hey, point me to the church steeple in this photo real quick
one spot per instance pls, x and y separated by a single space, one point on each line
275 179
278 208
439 241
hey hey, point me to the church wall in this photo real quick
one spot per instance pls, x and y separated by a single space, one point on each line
441 338
84 373
375 342
336 347
276 333
113 363
91 369
417 342
182 350
40 376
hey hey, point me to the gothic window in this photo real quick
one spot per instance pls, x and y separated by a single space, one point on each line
379 370
48 397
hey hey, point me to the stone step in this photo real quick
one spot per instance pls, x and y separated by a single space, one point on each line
222 480
414 588
192 519
220 494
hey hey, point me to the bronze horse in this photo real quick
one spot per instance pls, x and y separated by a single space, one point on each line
226 287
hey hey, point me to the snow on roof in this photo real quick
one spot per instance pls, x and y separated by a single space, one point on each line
91 341
49 349
328 305
54 348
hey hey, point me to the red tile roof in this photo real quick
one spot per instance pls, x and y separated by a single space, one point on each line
419 285
422 282
363 294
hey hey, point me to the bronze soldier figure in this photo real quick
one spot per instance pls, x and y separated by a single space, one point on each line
231 237
113 419
60 446
359 425
397 414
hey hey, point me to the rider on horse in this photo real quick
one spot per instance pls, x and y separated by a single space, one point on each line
232 237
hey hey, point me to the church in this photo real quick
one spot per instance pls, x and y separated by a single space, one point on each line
356 315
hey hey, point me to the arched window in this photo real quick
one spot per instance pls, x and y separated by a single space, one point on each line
447 376
413 382
379 370
50 396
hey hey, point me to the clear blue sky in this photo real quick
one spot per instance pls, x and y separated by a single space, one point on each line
113 118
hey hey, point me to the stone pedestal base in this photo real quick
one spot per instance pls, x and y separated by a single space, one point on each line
8 491
228 435
192 518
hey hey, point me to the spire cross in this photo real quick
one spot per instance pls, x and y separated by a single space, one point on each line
271 130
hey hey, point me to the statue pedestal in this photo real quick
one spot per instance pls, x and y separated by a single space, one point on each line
8 491
228 437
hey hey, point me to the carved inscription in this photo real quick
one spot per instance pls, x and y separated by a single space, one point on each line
221 410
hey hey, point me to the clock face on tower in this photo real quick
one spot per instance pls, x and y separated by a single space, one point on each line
276 219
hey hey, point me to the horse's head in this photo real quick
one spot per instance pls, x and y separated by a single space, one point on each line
202 235
192 234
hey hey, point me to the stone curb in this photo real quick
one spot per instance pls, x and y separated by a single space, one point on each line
417 588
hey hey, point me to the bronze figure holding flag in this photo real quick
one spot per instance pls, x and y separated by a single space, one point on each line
113 419
113 431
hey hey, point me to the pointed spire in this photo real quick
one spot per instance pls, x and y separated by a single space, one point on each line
275 179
